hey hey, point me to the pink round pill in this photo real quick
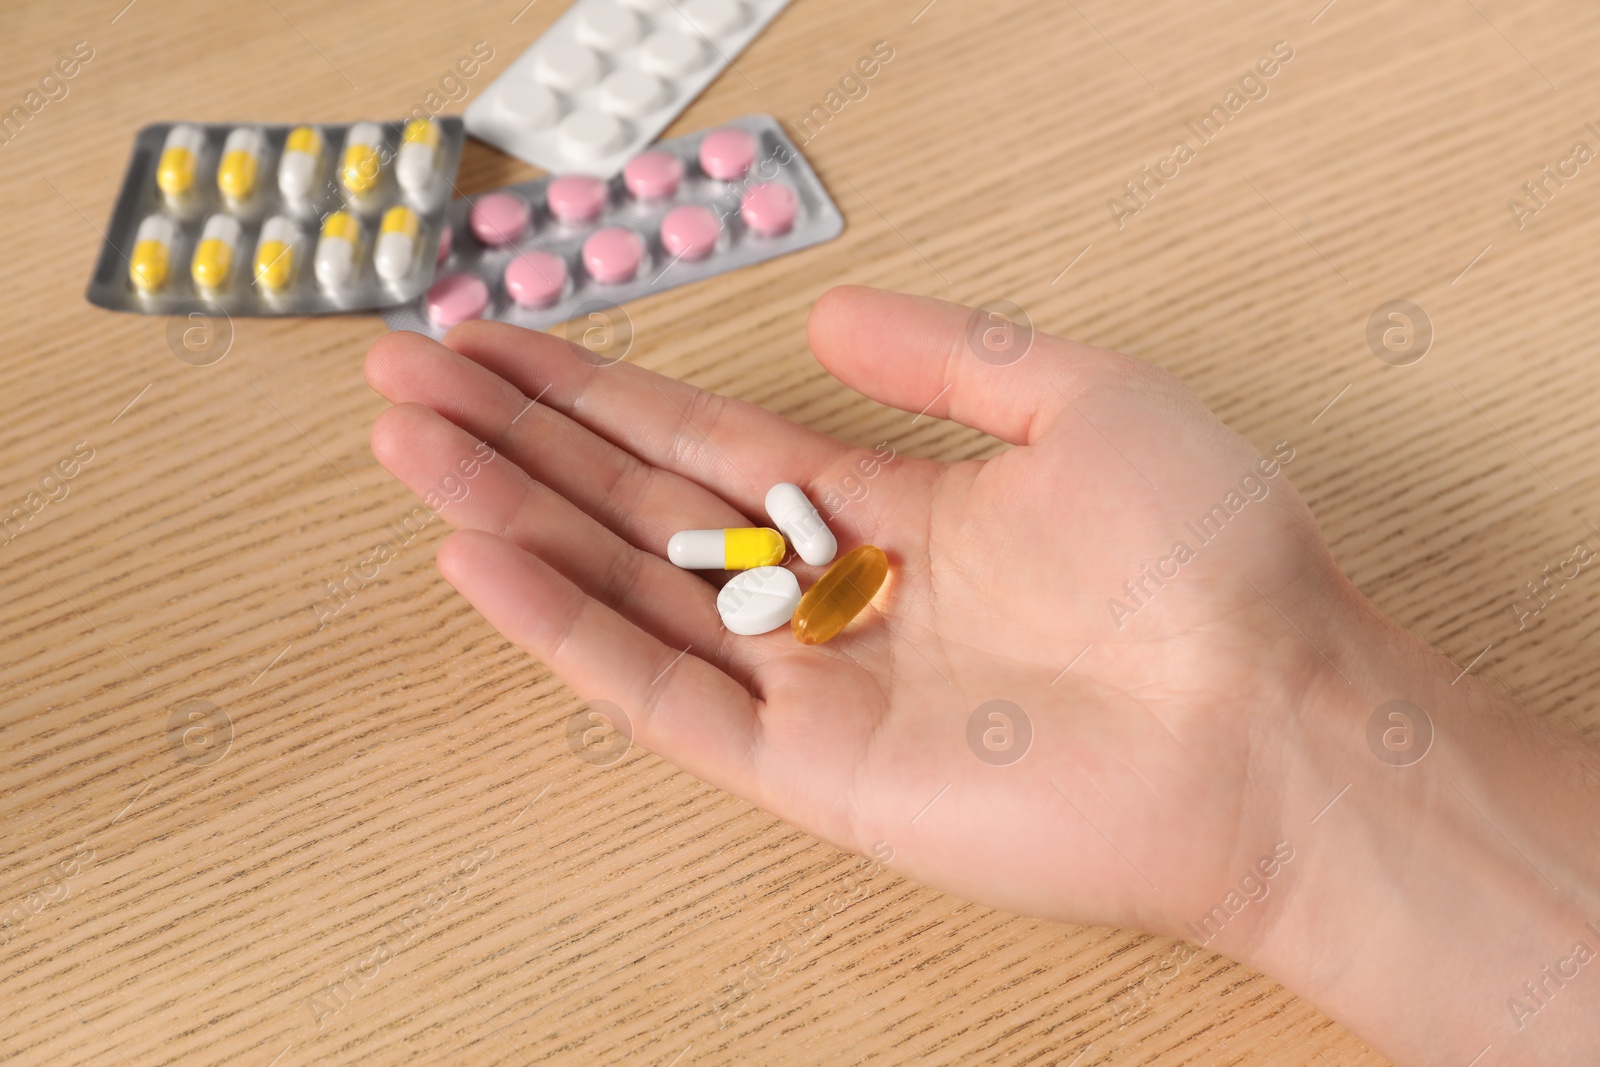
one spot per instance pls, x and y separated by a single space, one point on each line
769 209
499 219
456 298
613 255
727 153
446 239
575 197
689 232
536 279
653 175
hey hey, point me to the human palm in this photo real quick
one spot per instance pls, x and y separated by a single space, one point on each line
1148 785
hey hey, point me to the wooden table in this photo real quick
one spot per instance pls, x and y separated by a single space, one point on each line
241 826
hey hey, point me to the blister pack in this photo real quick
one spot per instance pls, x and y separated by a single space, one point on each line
608 76
696 206
278 220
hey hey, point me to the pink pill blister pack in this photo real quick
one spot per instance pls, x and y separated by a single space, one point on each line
545 251
608 76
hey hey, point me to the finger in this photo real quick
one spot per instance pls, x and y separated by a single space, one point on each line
643 503
678 705
735 449
923 355
447 467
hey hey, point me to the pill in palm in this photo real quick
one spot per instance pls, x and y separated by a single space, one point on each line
758 601
725 550
841 594
797 519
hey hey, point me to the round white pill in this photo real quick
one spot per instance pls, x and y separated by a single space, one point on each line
570 67
714 17
588 133
797 519
607 26
671 53
758 601
528 104
631 93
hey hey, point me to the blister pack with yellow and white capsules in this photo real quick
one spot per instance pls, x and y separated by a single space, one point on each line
260 219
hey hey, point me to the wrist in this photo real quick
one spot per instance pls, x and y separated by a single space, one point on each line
1447 859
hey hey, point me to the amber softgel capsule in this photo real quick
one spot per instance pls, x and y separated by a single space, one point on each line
841 594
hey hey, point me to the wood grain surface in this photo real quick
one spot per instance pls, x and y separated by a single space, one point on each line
245 821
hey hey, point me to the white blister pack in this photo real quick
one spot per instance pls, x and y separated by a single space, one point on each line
554 249
608 76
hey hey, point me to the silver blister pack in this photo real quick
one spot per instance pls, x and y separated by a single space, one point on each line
260 219
689 208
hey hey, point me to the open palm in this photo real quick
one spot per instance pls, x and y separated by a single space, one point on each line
1129 778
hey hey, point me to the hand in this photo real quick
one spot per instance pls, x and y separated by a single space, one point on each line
1143 796
1146 587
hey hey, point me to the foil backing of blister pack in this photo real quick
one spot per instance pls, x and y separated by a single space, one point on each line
111 285
777 160
607 77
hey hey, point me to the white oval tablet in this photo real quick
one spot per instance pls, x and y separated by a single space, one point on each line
758 601
797 519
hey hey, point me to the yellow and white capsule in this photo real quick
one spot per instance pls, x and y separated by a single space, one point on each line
212 267
152 253
418 156
276 253
335 261
301 162
180 158
395 253
241 163
362 158
725 550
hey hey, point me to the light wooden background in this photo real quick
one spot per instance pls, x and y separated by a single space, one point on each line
402 760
